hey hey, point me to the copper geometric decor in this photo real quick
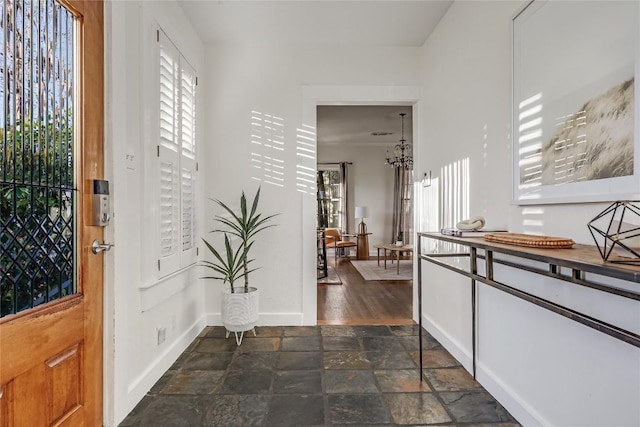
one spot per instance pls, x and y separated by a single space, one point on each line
614 230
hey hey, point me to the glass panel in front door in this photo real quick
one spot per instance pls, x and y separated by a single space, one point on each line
37 144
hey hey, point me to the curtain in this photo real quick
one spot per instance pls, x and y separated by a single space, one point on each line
344 195
402 205
323 218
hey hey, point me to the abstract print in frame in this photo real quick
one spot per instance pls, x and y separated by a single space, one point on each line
575 126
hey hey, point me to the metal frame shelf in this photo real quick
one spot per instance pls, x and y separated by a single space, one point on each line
570 265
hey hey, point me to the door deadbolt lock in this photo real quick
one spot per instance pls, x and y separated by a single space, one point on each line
100 203
98 247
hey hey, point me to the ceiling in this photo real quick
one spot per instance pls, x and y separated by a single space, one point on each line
356 124
309 22
326 22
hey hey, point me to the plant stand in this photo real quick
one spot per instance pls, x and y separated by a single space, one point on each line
239 340
239 311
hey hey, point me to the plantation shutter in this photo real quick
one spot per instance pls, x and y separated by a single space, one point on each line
188 163
169 157
188 119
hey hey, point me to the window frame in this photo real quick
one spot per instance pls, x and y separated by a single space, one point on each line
331 200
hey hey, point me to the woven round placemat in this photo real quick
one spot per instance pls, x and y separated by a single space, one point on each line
530 240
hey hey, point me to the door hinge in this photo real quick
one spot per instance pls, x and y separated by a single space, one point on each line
196 166
197 251
158 150
158 265
158 36
196 80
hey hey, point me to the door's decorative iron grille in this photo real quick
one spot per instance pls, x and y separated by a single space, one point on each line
37 191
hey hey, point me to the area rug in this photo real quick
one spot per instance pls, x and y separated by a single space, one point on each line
369 270
332 277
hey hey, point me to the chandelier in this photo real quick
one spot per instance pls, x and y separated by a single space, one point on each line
402 157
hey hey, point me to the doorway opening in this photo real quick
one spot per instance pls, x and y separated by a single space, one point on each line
364 202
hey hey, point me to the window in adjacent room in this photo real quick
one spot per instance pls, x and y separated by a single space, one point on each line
330 203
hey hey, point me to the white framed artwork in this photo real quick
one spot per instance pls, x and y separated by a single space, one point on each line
575 123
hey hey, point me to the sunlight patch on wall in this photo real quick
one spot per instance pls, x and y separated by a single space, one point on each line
454 192
530 141
307 157
427 200
428 219
569 147
305 179
533 220
267 139
559 158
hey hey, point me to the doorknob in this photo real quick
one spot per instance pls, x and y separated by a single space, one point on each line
98 247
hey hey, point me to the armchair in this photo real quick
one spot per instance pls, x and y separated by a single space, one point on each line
334 240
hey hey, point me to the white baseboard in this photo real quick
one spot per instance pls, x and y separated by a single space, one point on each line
452 345
265 319
140 385
524 413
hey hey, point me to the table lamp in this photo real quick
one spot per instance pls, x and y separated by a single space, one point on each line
361 213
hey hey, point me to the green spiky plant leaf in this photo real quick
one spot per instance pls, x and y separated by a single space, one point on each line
230 265
245 224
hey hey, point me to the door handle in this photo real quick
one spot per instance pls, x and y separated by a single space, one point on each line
98 247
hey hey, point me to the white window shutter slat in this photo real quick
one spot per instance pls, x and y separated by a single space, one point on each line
188 218
169 214
186 184
188 160
169 91
188 110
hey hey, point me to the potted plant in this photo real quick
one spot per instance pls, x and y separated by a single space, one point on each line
239 303
399 240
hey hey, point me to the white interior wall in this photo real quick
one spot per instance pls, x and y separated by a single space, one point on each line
371 185
546 369
267 83
137 304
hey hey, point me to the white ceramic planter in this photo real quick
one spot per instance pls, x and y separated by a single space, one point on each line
239 311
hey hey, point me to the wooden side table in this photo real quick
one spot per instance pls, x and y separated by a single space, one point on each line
363 246
393 248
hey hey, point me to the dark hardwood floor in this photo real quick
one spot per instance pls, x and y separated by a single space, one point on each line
361 302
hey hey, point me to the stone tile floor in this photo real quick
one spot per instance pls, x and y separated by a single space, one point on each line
314 376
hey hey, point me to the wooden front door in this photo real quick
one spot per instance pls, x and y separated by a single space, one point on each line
51 331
